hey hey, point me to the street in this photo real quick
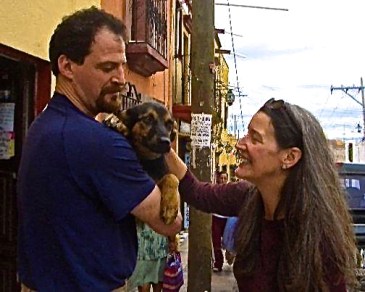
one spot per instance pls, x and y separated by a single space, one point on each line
221 282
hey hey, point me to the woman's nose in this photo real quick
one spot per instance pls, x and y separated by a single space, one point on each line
241 143
242 140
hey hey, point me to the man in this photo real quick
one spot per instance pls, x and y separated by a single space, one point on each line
218 225
80 184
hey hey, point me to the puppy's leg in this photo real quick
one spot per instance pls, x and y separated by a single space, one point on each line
112 121
170 198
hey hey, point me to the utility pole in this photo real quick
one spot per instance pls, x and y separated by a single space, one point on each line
202 66
360 88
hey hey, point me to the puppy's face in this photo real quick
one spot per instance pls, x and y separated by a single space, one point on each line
151 129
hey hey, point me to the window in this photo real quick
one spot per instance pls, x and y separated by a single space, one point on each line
147 49
149 24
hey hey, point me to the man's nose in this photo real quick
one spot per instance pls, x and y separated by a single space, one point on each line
118 78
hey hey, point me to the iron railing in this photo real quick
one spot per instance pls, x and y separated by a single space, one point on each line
131 98
149 24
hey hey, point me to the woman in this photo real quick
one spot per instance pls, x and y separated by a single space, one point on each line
218 226
153 249
228 239
294 231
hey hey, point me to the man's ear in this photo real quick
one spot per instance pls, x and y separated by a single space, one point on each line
291 157
65 66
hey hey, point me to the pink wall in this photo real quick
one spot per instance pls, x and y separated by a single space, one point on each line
156 86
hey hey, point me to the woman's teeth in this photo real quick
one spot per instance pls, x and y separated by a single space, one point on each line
240 159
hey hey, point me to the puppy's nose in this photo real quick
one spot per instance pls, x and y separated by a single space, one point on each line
165 140
165 143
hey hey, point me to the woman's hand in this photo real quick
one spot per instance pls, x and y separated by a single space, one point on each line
175 165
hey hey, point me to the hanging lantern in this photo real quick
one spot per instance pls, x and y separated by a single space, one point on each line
230 97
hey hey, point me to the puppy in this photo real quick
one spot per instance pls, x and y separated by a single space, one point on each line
150 129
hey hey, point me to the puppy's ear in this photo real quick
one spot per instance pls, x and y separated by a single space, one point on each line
173 132
127 117
114 122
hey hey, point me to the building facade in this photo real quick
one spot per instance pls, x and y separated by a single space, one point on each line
26 83
158 68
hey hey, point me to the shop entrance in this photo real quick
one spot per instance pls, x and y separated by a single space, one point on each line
19 100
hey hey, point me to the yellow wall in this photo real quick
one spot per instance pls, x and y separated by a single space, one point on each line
27 25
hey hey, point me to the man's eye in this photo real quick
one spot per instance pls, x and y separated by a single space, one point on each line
107 69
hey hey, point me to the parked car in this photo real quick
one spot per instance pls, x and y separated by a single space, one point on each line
353 178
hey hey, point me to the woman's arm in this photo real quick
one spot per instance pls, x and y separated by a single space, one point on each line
175 165
224 199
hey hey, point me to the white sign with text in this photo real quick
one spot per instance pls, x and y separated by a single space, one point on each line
201 128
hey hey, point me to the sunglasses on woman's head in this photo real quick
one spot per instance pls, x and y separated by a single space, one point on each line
273 103
280 106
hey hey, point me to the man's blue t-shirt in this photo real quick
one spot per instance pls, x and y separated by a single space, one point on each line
77 183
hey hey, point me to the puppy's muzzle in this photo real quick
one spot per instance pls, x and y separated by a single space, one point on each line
164 144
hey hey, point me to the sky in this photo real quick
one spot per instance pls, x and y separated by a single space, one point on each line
296 55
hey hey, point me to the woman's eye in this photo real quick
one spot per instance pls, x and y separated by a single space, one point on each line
256 139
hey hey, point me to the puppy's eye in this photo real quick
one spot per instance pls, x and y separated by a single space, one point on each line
148 119
169 124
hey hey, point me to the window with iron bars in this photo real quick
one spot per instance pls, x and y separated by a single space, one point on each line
149 24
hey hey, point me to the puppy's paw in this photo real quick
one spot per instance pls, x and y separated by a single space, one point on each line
170 198
112 121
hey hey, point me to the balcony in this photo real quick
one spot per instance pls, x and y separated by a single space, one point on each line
147 49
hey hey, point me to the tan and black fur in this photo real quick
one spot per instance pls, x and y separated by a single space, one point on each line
150 128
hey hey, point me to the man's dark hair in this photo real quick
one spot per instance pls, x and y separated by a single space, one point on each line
219 173
74 35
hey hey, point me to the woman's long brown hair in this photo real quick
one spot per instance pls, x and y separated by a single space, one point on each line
318 238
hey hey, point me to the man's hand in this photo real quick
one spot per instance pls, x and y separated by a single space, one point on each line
149 210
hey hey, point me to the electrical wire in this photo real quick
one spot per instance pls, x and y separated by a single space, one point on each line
235 62
233 47
320 114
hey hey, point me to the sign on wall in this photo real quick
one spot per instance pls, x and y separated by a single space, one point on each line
201 128
7 135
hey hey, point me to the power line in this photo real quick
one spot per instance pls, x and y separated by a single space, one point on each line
360 88
250 6
320 114
233 47
235 60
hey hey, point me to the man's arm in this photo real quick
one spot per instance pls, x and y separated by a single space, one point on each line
148 211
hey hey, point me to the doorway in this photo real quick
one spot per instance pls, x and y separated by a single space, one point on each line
21 96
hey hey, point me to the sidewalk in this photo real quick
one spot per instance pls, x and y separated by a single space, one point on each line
221 282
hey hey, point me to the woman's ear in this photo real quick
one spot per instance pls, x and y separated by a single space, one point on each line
65 66
291 157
